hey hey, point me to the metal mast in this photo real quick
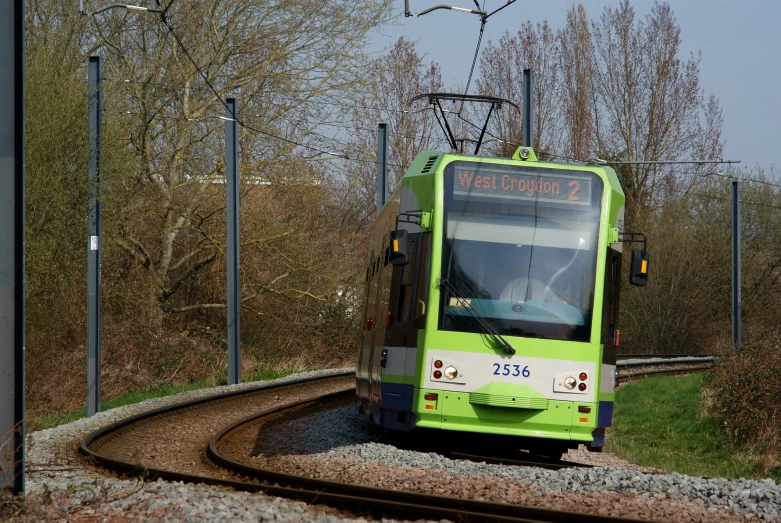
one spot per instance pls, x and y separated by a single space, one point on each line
12 246
232 195
94 239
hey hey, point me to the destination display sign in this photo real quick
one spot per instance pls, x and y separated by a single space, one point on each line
566 189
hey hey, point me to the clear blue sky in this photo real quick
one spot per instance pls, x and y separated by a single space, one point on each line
740 44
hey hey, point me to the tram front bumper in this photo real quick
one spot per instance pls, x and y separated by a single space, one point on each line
453 411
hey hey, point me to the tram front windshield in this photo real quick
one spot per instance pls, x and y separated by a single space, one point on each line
520 250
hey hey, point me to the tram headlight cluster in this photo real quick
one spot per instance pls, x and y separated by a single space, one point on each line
446 370
574 382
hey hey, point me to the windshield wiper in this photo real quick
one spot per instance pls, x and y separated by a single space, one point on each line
498 339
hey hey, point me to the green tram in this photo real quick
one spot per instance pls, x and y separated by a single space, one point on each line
492 295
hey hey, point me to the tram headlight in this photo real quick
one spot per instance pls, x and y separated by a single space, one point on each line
524 153
570 382
451 373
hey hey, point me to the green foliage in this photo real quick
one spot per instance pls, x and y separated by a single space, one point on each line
303 220
163 259
659 422
685 308
744 397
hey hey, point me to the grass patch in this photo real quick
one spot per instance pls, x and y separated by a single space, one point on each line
52 420
658 423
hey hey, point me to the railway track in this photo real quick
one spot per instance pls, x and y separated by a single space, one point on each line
644 365
190 442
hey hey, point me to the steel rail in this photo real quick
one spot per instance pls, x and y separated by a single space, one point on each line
376 502
680 361
668 372
408 503
662 356
358 498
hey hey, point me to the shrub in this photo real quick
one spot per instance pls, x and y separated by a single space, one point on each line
742 393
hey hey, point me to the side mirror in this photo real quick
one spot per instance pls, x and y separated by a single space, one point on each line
638 269
399 248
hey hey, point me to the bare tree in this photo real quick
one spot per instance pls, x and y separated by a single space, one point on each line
649 104
397 78
577 83
532 47
279 57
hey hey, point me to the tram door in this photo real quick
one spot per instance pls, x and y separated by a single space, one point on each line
384 277
367 338
611 335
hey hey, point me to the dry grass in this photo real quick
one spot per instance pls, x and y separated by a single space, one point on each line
21 510
134 361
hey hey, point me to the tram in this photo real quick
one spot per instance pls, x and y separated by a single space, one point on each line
492 296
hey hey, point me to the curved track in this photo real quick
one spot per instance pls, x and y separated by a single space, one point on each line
189 442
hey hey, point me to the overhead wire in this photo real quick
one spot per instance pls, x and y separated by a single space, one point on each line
313 100
182 118
474 60
742 179
734 177
219 117
576 160
483 19
370 130
205 78
214 91
710 197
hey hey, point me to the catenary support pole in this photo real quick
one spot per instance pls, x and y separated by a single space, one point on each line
736 267
382 165
234 294
94 236
12 246
528 108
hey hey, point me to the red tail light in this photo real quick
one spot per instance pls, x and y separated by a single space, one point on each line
437 374
430 397
582 387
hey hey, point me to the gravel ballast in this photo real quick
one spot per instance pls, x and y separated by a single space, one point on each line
343 443
346 434
61 487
